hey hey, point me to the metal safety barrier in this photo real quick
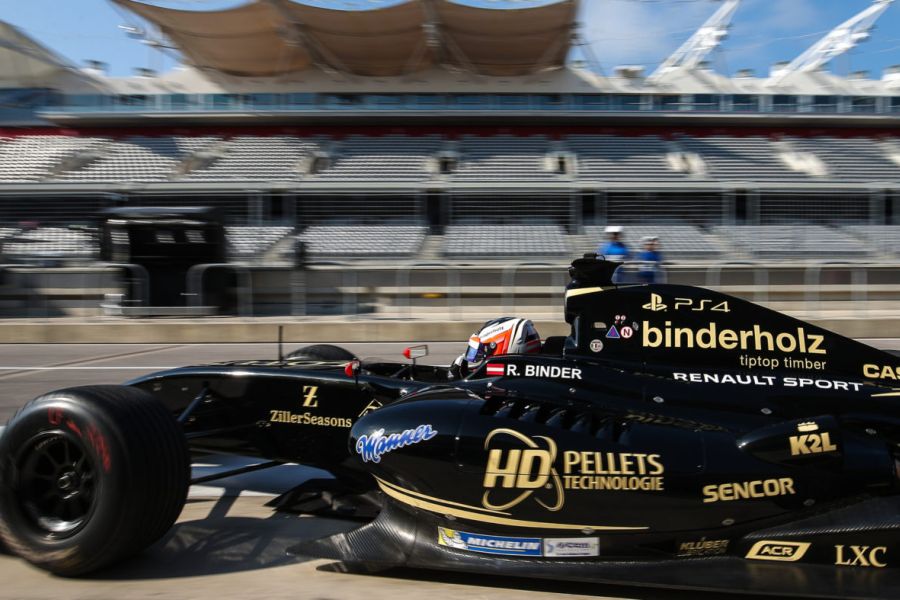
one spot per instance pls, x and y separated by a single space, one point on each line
453 288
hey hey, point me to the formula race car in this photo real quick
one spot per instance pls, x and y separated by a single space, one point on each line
677 437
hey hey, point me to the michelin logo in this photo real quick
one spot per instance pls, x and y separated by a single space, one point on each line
489 544
566 547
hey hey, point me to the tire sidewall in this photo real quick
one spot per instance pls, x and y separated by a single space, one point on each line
113 478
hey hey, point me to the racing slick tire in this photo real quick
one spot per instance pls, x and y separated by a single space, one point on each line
90 476
322 352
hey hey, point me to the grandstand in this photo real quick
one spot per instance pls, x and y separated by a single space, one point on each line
434 131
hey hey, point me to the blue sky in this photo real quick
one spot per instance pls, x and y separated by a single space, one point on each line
619 31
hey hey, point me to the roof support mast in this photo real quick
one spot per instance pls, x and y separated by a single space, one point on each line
698 46
839 40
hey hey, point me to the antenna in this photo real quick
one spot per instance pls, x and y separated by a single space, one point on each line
705 40
280 337
839 40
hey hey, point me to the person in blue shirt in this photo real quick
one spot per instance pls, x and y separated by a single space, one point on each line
650 261
614 249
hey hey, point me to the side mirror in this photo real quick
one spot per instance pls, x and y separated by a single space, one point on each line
414 352
351 369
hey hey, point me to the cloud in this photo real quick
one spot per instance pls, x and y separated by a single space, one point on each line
629 32
763 31
766 31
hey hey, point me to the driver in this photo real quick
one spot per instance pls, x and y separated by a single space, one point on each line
505 335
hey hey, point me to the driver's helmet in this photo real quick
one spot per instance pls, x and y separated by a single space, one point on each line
506 335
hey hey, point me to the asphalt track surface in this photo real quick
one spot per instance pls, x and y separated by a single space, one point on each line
226 543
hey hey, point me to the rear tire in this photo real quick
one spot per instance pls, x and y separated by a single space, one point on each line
322 352
90 476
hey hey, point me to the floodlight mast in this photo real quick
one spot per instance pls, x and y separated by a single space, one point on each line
698 46
839 40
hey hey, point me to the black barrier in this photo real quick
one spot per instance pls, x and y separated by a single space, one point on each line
167 242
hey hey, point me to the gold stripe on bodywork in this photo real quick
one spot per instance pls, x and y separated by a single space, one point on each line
447 508
583 291
401 490
886 394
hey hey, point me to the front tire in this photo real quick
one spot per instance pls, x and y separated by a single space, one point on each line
90 476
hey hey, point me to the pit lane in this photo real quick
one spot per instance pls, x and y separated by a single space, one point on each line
227 544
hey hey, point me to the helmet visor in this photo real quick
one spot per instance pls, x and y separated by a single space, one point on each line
475 352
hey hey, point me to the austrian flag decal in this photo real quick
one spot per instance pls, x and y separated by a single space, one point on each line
495 369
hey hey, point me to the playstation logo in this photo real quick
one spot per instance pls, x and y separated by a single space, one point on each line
655 304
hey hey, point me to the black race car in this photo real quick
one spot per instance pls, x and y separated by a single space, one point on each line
677 437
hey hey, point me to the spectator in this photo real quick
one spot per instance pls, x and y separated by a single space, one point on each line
614 249
650 261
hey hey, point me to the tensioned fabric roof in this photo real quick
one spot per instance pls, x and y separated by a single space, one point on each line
24 61
272 37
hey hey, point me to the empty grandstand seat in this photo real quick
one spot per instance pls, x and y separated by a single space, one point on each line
139 158
793 241
50 242
622 158
246 241
503 158
258 158
751 158
34 157
388 157
363 240
881 238
677 241
850 159
484 240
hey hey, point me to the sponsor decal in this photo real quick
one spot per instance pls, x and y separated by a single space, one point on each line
703 547
860 556
613 333
310 396
882 372
596 345
778 550
372 447
746 490
565 547
523 469
766 362
656 304
714 338
545 371
307 418
810 442
768 381
626 332
512 475
489 544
